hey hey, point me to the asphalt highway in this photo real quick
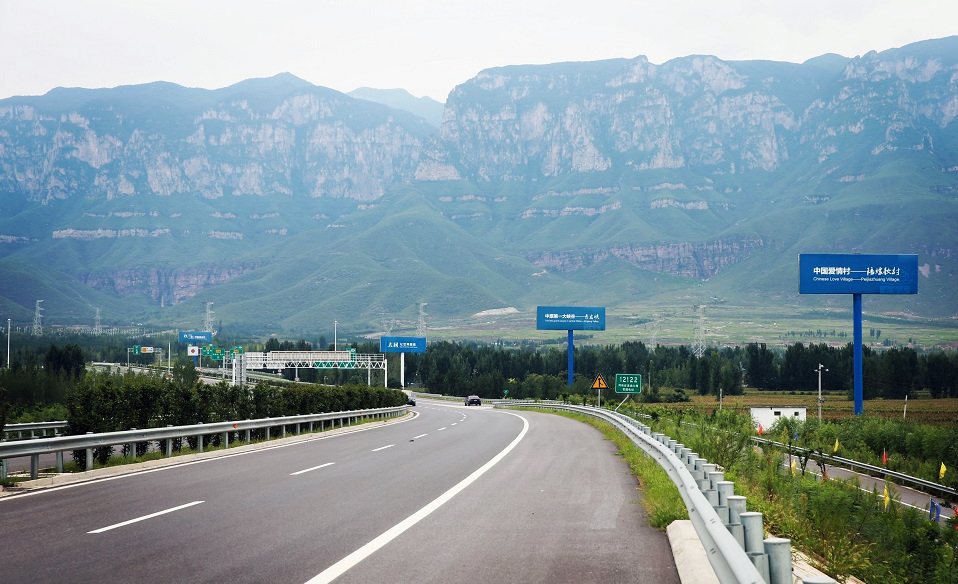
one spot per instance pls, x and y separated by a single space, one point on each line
456 494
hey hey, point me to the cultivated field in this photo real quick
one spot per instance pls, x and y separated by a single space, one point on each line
938 412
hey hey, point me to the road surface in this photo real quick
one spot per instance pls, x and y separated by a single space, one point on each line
457 494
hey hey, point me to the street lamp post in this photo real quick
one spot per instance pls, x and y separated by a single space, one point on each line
820 400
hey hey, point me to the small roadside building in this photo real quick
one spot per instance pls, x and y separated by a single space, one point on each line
767 415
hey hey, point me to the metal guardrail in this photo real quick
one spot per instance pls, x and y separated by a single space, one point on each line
868 468
729 559
60 444
33 428
849 463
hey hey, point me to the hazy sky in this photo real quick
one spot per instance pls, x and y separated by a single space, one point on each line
425 46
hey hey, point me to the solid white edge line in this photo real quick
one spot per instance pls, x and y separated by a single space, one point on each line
382 448
150 516
299 472
343 565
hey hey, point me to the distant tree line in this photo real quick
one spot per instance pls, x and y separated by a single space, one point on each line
43 375
528 372
890 374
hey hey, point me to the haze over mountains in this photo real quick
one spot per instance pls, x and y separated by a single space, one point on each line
617 182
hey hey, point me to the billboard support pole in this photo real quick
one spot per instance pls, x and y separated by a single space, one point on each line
857 317
857 274
570 357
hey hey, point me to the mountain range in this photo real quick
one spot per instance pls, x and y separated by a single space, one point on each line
619 183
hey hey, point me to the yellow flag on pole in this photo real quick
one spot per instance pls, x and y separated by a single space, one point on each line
887 498
941 473
835 449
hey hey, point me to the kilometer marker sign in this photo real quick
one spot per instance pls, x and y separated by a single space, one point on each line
628 383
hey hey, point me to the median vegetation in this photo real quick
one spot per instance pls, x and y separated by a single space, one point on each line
109 402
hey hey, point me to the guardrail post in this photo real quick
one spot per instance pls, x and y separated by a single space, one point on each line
34 466
267 433
132 447
283 431
722 491
226 440
703 481
760 561
725 490
60 462
736 506
711 493
199 442
779 552
697 469
248 435
89 457
169 444
754 531
3 468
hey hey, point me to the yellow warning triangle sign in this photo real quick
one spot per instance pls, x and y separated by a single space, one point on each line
599 383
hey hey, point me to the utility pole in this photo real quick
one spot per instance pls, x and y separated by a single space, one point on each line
820 399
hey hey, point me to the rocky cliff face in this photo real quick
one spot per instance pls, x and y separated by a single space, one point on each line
698 261
307 140
701 113
675 168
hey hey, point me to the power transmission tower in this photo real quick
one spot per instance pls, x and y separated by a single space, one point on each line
38 320
655 333
698 347
421 328
208 323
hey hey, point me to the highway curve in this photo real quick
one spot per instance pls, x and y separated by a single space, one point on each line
457 494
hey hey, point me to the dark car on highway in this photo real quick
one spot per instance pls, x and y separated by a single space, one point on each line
473 400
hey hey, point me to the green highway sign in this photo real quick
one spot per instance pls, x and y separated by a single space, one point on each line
628 383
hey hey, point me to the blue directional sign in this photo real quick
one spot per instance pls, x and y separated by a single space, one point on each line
857 274
402 344
570 318
196 336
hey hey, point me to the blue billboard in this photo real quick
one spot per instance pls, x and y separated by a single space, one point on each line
196 337
402 344
857 274
570 318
